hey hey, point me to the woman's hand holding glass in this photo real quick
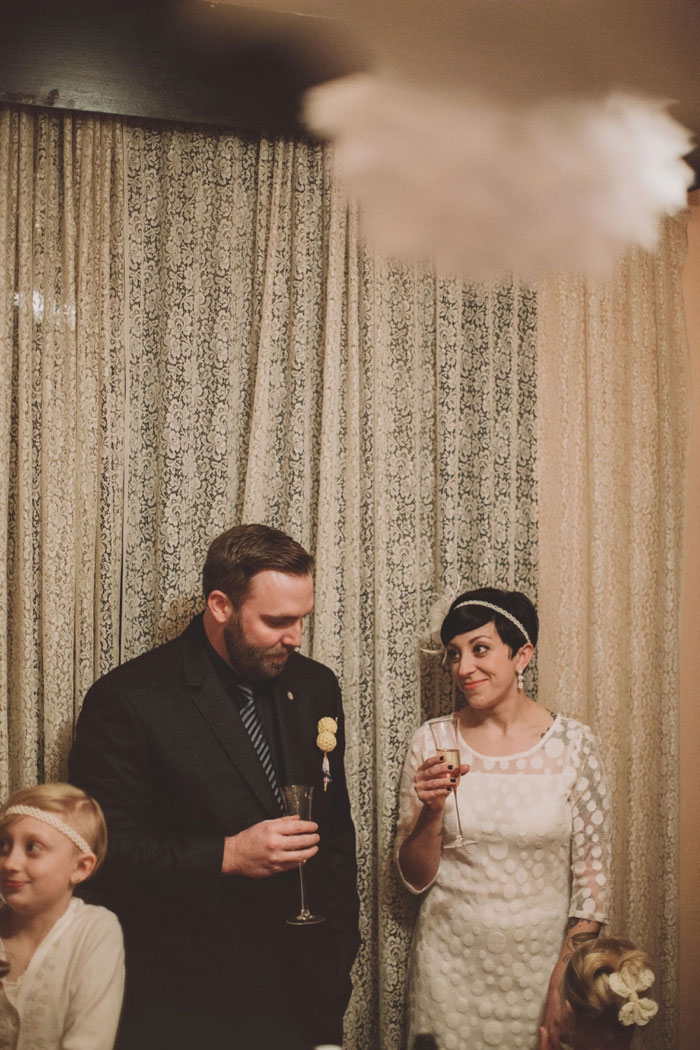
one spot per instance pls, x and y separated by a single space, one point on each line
446 737
435 779
419 854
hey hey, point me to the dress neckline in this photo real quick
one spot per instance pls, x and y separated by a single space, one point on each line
517 754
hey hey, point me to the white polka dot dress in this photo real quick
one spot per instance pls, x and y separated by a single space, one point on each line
492 922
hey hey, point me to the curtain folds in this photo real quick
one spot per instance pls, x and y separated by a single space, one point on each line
61 289
280 373
613 429
194 334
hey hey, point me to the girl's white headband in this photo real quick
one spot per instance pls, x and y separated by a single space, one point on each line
52 820
498 609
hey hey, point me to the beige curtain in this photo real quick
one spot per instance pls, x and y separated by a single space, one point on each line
277 372
193 334
61 412
222 348
613 427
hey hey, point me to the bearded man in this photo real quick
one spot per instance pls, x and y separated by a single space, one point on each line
187 748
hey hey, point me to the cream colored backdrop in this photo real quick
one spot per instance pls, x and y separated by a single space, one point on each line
264 367
278 373
194 335
613 381
61 407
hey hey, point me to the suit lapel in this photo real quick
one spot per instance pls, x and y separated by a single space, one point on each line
220 710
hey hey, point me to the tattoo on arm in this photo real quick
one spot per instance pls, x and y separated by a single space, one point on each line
575 940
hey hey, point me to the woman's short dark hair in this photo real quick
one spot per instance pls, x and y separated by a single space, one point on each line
469 617
240 553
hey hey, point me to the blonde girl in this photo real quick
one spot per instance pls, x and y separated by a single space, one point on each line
63 987
603 992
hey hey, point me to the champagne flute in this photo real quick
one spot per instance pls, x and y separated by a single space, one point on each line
297 802
445 733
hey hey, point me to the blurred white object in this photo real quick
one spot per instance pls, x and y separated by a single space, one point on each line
486 187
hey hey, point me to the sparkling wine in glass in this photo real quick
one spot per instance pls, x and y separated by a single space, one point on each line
445 733
297 802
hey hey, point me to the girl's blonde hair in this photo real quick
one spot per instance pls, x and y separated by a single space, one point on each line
71 804
596 1000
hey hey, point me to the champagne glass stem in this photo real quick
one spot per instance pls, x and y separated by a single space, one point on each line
459 822
302 887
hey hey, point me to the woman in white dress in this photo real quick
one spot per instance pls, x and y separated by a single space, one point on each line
499 912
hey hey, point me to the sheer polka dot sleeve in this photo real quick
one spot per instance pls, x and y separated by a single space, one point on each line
590 841
409 803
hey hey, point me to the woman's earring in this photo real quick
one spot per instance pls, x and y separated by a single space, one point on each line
520 681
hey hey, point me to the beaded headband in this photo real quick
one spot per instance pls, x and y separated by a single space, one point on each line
53 821
498 609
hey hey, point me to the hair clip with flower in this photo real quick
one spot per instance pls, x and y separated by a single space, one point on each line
626 983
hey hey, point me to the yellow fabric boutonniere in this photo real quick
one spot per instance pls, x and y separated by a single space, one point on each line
326 742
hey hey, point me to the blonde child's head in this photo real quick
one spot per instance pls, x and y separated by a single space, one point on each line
61 804
603 988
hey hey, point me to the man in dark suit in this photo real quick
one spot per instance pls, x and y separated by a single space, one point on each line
186 748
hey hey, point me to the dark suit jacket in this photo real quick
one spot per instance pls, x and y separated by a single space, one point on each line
160 744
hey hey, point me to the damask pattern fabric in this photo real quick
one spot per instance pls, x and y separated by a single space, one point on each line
62 359
192 334
285 375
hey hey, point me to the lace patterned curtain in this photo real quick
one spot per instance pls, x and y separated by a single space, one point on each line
222 347
613 380
61 421
277 372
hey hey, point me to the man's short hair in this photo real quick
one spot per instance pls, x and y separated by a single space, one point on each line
240 553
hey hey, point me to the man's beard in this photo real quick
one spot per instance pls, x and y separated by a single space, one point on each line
250 662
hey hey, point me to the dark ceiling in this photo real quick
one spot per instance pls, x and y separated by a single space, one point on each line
196 62
188 61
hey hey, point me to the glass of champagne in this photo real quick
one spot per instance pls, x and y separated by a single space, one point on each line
445 733
297 802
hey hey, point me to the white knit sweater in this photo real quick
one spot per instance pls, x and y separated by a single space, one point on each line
70 996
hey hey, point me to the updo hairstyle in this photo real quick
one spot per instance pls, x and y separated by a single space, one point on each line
469 617
586 988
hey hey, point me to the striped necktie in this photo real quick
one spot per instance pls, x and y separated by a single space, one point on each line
250 716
